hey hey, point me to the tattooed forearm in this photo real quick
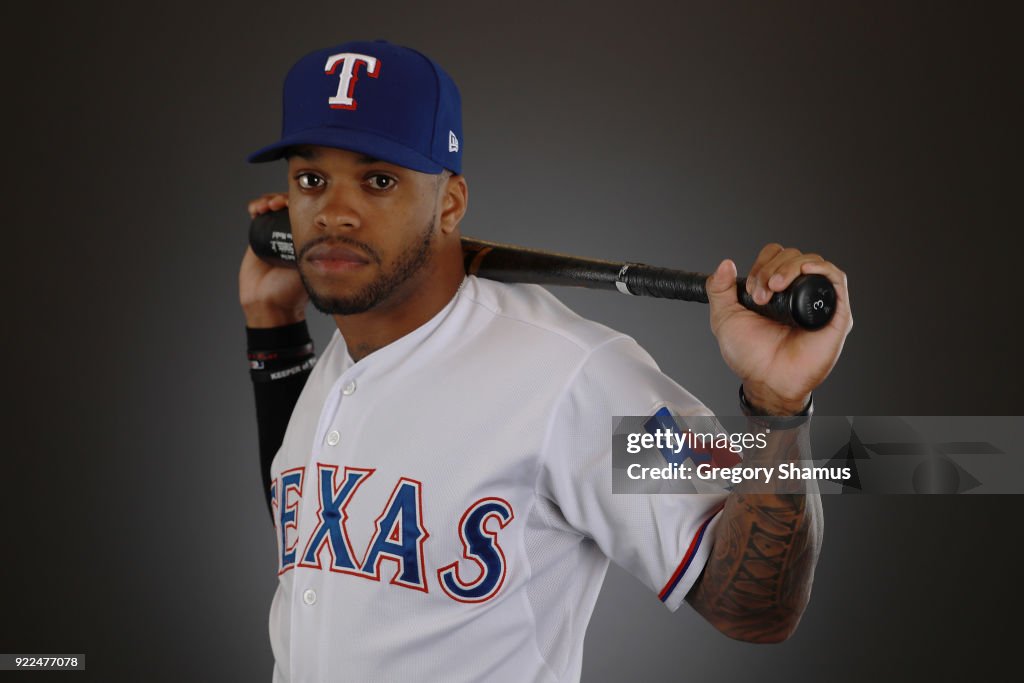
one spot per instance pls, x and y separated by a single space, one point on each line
757 581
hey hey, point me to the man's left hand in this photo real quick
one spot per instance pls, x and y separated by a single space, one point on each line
779 365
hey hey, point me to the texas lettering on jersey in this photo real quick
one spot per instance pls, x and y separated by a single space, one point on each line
399 533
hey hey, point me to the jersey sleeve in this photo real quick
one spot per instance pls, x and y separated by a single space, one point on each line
662 539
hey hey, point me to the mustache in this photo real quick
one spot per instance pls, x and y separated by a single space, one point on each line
364 248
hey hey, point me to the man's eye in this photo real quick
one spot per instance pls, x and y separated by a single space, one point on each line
378 181
309 181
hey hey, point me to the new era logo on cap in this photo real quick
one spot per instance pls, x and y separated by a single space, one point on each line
387 101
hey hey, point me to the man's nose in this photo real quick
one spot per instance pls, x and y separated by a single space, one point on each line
339 210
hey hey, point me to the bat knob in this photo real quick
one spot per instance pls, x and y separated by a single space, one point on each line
809 302
270 236
812 301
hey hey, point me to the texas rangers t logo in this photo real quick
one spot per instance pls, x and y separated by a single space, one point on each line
348 74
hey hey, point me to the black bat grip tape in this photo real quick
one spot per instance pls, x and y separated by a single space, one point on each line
808 303
664 283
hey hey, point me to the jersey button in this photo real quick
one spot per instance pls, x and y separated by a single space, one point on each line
333 438
309 597
350 388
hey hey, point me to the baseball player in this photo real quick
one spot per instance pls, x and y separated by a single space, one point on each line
441 492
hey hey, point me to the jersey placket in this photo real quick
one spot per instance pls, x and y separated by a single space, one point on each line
311 593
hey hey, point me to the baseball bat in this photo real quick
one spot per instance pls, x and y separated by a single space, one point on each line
808 303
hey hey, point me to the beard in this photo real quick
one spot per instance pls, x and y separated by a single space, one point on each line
409 262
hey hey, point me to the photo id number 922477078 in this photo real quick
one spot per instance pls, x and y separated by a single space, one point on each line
13 662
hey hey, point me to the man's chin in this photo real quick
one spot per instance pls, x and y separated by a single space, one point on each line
333 302
347 303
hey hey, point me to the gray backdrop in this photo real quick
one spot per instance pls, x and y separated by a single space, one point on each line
883 135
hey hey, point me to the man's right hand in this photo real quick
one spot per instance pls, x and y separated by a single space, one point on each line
271 296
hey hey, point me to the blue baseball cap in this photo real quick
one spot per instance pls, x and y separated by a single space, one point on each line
387 101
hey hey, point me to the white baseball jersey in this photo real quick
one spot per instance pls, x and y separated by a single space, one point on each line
444 507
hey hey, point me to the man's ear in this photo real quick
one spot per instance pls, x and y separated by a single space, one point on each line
454 200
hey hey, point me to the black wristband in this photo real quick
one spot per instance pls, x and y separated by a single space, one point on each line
279 352
257 359
283 337
769 421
